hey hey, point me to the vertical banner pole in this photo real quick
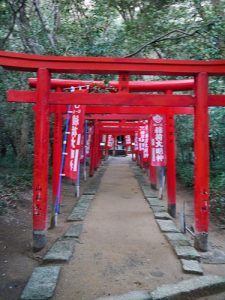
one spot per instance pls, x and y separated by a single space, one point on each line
201 162
92 152
78 181
41 150
58 199
57 152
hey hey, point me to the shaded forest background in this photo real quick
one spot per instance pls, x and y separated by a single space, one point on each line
192 29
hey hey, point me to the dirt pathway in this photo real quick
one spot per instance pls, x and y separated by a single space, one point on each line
121 248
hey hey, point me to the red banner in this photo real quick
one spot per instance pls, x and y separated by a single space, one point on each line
146 142
73 148
127 140
110 141
141 137
136 142
90 133
158 140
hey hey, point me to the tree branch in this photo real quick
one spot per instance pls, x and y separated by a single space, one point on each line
43 23
167 36
14 16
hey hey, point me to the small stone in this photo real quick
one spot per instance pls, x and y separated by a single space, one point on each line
191 266
157 274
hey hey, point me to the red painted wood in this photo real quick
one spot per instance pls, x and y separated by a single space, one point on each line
41 146
61 98
133 86
120 99
201 148
137 110
105 65
116 117
171 161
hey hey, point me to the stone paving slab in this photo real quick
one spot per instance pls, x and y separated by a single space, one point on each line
214 257
163 216
77 215
90 192
41 284
136 295
61 251
74 231
191 266
157 209
155 202
180 243
167 226
86 197
173 236
187 252
80 210
190 289
193 288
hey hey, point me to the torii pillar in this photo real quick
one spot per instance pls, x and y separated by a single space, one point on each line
41 147
171 162
201 163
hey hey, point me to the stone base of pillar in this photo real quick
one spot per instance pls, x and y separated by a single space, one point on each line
201 241
39 239
172 210
153 186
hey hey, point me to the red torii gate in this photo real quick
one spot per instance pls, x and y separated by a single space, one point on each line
45 65
168 87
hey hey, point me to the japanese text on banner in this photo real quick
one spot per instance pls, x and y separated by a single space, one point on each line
158 140
74 141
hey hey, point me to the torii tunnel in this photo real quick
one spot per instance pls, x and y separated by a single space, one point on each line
122 102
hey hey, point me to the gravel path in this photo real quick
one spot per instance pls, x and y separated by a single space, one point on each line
121 248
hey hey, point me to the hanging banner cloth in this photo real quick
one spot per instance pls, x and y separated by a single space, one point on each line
158 140
146 142
90 131
73 149
141 137
136 142
110 141
128 140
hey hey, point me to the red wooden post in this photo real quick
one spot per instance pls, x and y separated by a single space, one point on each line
201 166
57 153
171 165
106 147
114 145
171 162
41 146
92 152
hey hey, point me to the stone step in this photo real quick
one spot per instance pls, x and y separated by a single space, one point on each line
60 251
41 284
